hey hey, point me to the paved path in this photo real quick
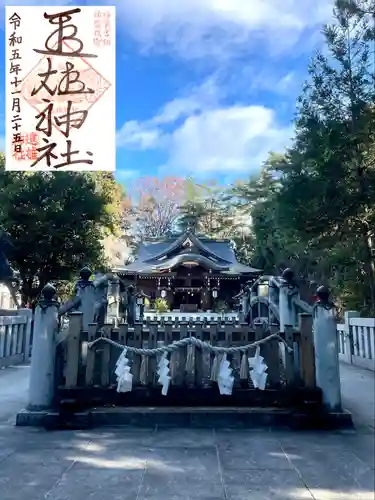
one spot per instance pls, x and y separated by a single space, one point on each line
358 392
14 385
152 464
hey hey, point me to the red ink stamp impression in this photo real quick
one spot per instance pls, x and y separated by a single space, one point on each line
102 28
84 74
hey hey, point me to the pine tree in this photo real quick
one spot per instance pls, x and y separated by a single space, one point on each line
329 179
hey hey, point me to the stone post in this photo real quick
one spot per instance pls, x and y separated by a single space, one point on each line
286 307
349 348
245 301
287 290
113 309
42 372
327 366
93 297
273 291
85 290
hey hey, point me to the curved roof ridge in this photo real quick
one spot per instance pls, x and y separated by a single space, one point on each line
180 259
179 241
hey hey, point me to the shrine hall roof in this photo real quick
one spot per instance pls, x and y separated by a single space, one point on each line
158 256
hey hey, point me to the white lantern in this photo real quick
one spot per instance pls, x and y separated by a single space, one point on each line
214 293
163 294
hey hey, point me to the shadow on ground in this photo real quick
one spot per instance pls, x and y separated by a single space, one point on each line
152 464
207 464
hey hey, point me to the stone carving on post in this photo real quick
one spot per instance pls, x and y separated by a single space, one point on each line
243 298
246 302
288 290
326 350
130 305
42 372
93 295
113 297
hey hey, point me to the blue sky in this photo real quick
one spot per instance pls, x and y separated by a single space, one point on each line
205 88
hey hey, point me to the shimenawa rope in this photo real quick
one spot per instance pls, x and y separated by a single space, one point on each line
191 341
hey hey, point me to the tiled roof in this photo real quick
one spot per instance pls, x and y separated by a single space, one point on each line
160 255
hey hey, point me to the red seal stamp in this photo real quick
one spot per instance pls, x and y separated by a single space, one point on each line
102 28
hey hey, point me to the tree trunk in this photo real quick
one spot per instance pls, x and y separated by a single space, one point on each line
26 291
370 266
13 293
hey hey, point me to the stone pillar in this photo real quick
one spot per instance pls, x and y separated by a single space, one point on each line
349 348
273 292
245 303
85 290
42 372
93 295
327 366
113 297
286 308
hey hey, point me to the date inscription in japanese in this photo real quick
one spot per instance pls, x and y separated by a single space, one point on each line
60 108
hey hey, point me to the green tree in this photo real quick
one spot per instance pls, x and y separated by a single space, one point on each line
328 178
56 222
207 209
256 203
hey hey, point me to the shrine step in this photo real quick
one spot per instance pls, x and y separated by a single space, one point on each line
218 417
92 397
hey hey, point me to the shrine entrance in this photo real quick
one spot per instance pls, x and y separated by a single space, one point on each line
187 299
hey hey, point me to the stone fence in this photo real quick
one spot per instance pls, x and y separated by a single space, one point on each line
15 337
356 339
62 361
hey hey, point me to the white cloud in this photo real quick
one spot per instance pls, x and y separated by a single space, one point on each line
150 134
138 136
195 28
203 96
226 140
202 137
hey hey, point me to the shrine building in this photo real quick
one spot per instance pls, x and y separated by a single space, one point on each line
191 272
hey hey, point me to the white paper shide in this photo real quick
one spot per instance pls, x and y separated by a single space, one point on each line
60 88
163 373
225 379
258 370
122 371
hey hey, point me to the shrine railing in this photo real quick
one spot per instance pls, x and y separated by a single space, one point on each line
15 337
192 318
87 367
98 364
356 341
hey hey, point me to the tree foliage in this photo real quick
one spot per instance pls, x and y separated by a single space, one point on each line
56 222
154 205
314 209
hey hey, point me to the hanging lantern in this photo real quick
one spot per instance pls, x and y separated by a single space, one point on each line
214 293
163 294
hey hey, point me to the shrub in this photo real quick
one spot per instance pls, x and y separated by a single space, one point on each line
161 305
221 306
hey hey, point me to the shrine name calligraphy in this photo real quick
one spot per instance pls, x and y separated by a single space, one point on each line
62 42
